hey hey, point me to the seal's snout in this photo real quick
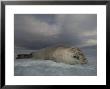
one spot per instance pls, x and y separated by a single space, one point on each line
84 62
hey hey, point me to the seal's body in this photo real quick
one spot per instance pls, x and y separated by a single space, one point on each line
65 54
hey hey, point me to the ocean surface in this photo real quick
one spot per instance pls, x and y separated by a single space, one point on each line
31 67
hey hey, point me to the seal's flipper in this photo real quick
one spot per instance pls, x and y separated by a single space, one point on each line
24 56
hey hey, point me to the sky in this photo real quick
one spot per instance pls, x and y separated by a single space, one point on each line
36 31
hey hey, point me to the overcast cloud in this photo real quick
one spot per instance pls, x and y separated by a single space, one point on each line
37 31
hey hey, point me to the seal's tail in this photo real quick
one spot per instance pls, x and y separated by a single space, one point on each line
24 56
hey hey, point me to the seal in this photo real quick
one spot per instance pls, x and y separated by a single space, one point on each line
61 53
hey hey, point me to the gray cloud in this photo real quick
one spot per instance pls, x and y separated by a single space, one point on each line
37 31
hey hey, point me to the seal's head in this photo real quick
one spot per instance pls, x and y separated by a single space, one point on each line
78 56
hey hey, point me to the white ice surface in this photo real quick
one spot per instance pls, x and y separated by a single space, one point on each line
30 67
